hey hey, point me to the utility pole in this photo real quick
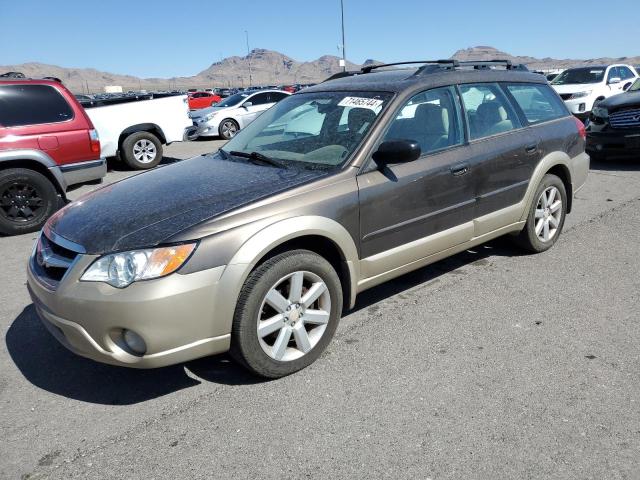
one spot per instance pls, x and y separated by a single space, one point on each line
344 55
248 57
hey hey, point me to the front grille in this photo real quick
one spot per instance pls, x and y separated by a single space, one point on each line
51 260
625 118
565 96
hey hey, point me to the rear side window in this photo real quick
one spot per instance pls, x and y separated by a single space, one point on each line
32 105
538 102
488 111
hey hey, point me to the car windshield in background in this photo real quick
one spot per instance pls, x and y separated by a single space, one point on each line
579 75
319 130
233 100
635 87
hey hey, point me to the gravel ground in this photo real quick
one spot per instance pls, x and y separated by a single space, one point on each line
488 365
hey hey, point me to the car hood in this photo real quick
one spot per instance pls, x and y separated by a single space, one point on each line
626 99
147 209
574 87
205 111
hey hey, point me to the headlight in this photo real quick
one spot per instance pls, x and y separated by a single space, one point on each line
208 117
122 269
581 94
600 112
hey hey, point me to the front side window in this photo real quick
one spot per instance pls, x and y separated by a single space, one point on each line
32 105
613 73
487 109
538 102
309 130
431 118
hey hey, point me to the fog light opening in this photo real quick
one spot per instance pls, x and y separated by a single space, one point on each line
582 107
134 342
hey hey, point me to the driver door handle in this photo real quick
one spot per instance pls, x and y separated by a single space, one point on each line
460 169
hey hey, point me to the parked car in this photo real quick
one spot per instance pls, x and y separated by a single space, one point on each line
258 248
583 87
135 128
614 127
234 113
47 142
203 100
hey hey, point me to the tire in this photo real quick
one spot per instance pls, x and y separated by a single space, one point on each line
142 150
27 199
228 128
302 335
532 237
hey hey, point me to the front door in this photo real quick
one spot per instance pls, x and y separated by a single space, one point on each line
412 210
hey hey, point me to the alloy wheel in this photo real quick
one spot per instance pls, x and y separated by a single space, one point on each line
229 129
548 214
293 316
20 202
144 151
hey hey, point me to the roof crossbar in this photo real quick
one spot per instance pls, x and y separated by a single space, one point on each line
449 62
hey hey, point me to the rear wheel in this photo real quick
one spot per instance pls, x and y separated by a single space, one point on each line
287 314
228 128
27 199
142 150
546 217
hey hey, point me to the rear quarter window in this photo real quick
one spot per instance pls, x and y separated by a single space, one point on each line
539 103
32 105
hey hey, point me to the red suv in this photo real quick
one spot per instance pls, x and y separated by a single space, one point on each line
47 142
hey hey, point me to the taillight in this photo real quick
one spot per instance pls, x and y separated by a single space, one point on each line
95 141
581 130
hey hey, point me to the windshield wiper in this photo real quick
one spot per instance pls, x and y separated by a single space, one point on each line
257 157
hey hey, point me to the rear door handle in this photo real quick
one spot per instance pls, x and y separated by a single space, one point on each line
533 148
458 170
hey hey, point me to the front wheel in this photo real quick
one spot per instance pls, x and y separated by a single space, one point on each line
546 217
228 128
287 313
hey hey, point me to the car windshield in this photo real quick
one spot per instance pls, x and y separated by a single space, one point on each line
233 100
636 86
580 75
312 130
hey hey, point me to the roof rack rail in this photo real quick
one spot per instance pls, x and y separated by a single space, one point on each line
450 62
487 64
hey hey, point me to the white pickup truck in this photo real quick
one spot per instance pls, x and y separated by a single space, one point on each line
135 129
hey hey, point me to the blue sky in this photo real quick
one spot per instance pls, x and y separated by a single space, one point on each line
167 38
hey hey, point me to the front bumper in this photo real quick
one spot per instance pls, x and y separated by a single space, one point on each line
580 107
207 129
614 143
175 315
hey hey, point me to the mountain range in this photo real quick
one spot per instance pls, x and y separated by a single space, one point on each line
267 68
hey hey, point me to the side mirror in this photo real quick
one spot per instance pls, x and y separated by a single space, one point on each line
247 104
614 80
397 151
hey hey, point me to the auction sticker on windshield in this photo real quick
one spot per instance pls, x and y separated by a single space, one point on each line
361 102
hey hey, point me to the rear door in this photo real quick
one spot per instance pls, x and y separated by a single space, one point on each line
401 205
545 115
502 151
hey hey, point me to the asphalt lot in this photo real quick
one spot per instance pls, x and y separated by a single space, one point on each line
488 365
